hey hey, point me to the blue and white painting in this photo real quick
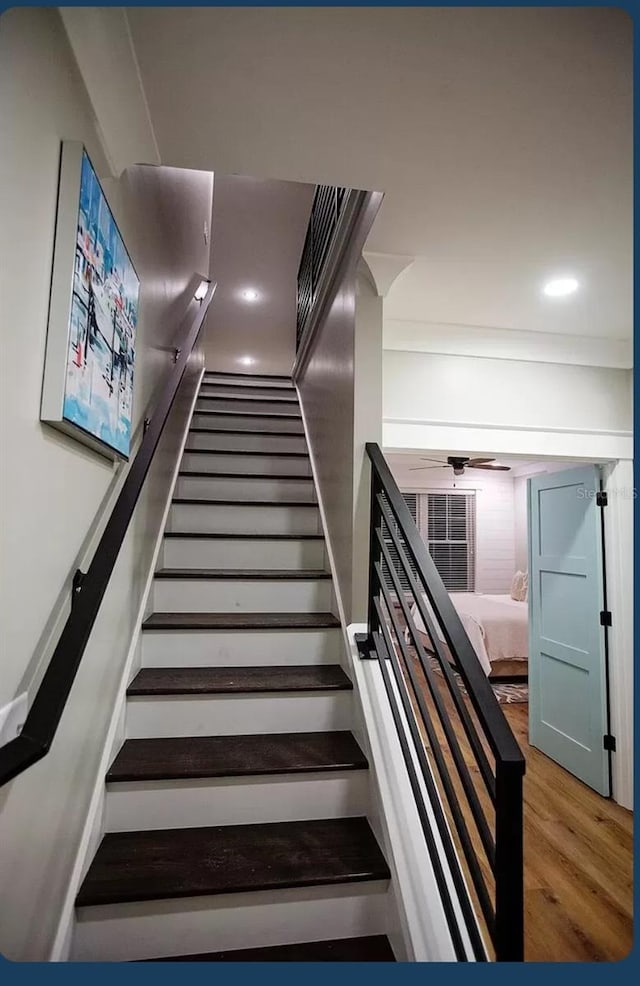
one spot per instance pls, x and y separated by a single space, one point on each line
104 312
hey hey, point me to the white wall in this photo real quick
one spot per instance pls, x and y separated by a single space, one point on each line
495 542
506 406
416 335
54 492
520 523
619 540
437 387
102 45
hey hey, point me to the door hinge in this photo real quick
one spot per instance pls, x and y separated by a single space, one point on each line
609 742
601 498
605 618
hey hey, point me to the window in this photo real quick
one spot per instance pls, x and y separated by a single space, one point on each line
447 525
446 522
411 499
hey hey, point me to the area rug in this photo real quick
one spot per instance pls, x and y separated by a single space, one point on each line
506 693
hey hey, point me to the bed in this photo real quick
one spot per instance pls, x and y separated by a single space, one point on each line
497 627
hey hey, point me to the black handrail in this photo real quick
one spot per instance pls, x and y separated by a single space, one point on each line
391 630
46 711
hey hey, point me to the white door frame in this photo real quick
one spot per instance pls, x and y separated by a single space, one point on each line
615 451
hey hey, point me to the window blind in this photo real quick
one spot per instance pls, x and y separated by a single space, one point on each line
411 499
446 522
448 528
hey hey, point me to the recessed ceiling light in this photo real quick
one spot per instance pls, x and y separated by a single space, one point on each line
559 287
247 361
250 294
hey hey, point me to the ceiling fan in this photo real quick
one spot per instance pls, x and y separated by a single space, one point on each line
460 462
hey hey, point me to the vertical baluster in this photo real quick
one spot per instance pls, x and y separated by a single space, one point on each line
509 923
375 554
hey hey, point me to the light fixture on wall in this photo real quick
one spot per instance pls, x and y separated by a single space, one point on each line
247 360
250 295
560 287
201 290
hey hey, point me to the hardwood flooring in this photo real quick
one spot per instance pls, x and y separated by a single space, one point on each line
578 856
578 863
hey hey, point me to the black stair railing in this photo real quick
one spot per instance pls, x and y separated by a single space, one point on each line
47 708
326 211
449 723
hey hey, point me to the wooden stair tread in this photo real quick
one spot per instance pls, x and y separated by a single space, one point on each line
204 474
237 535
238 575
244 451
248 376
372 948
230 413
233 680
247 396
244 431
241 621
245 503
235 756
191 862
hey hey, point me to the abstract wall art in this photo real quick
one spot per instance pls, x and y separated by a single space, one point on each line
90 354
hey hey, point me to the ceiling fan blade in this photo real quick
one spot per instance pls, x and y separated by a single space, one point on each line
491 468
475 462
443 465
427 458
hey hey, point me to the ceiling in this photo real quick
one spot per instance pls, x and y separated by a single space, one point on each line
501 137
402 464
257 234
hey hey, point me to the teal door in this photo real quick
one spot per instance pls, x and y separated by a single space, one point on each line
567 663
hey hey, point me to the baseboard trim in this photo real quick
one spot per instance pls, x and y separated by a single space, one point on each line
93 827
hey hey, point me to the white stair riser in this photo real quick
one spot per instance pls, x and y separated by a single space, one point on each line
246 488
229 422
192 925
243 553
246 440
228 715
236 404
266 465
247 381
235 800
248 393
210 518
242 596
239 648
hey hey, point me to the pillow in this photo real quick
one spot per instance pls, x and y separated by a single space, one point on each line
519 586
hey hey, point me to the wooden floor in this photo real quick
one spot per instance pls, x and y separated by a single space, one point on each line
578 864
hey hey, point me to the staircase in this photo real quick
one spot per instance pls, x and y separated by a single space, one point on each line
235 811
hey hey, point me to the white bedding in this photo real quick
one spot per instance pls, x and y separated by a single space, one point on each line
497 626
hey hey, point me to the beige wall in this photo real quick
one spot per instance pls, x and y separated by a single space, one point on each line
367 427
53 491
257 235
326 395
338 375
